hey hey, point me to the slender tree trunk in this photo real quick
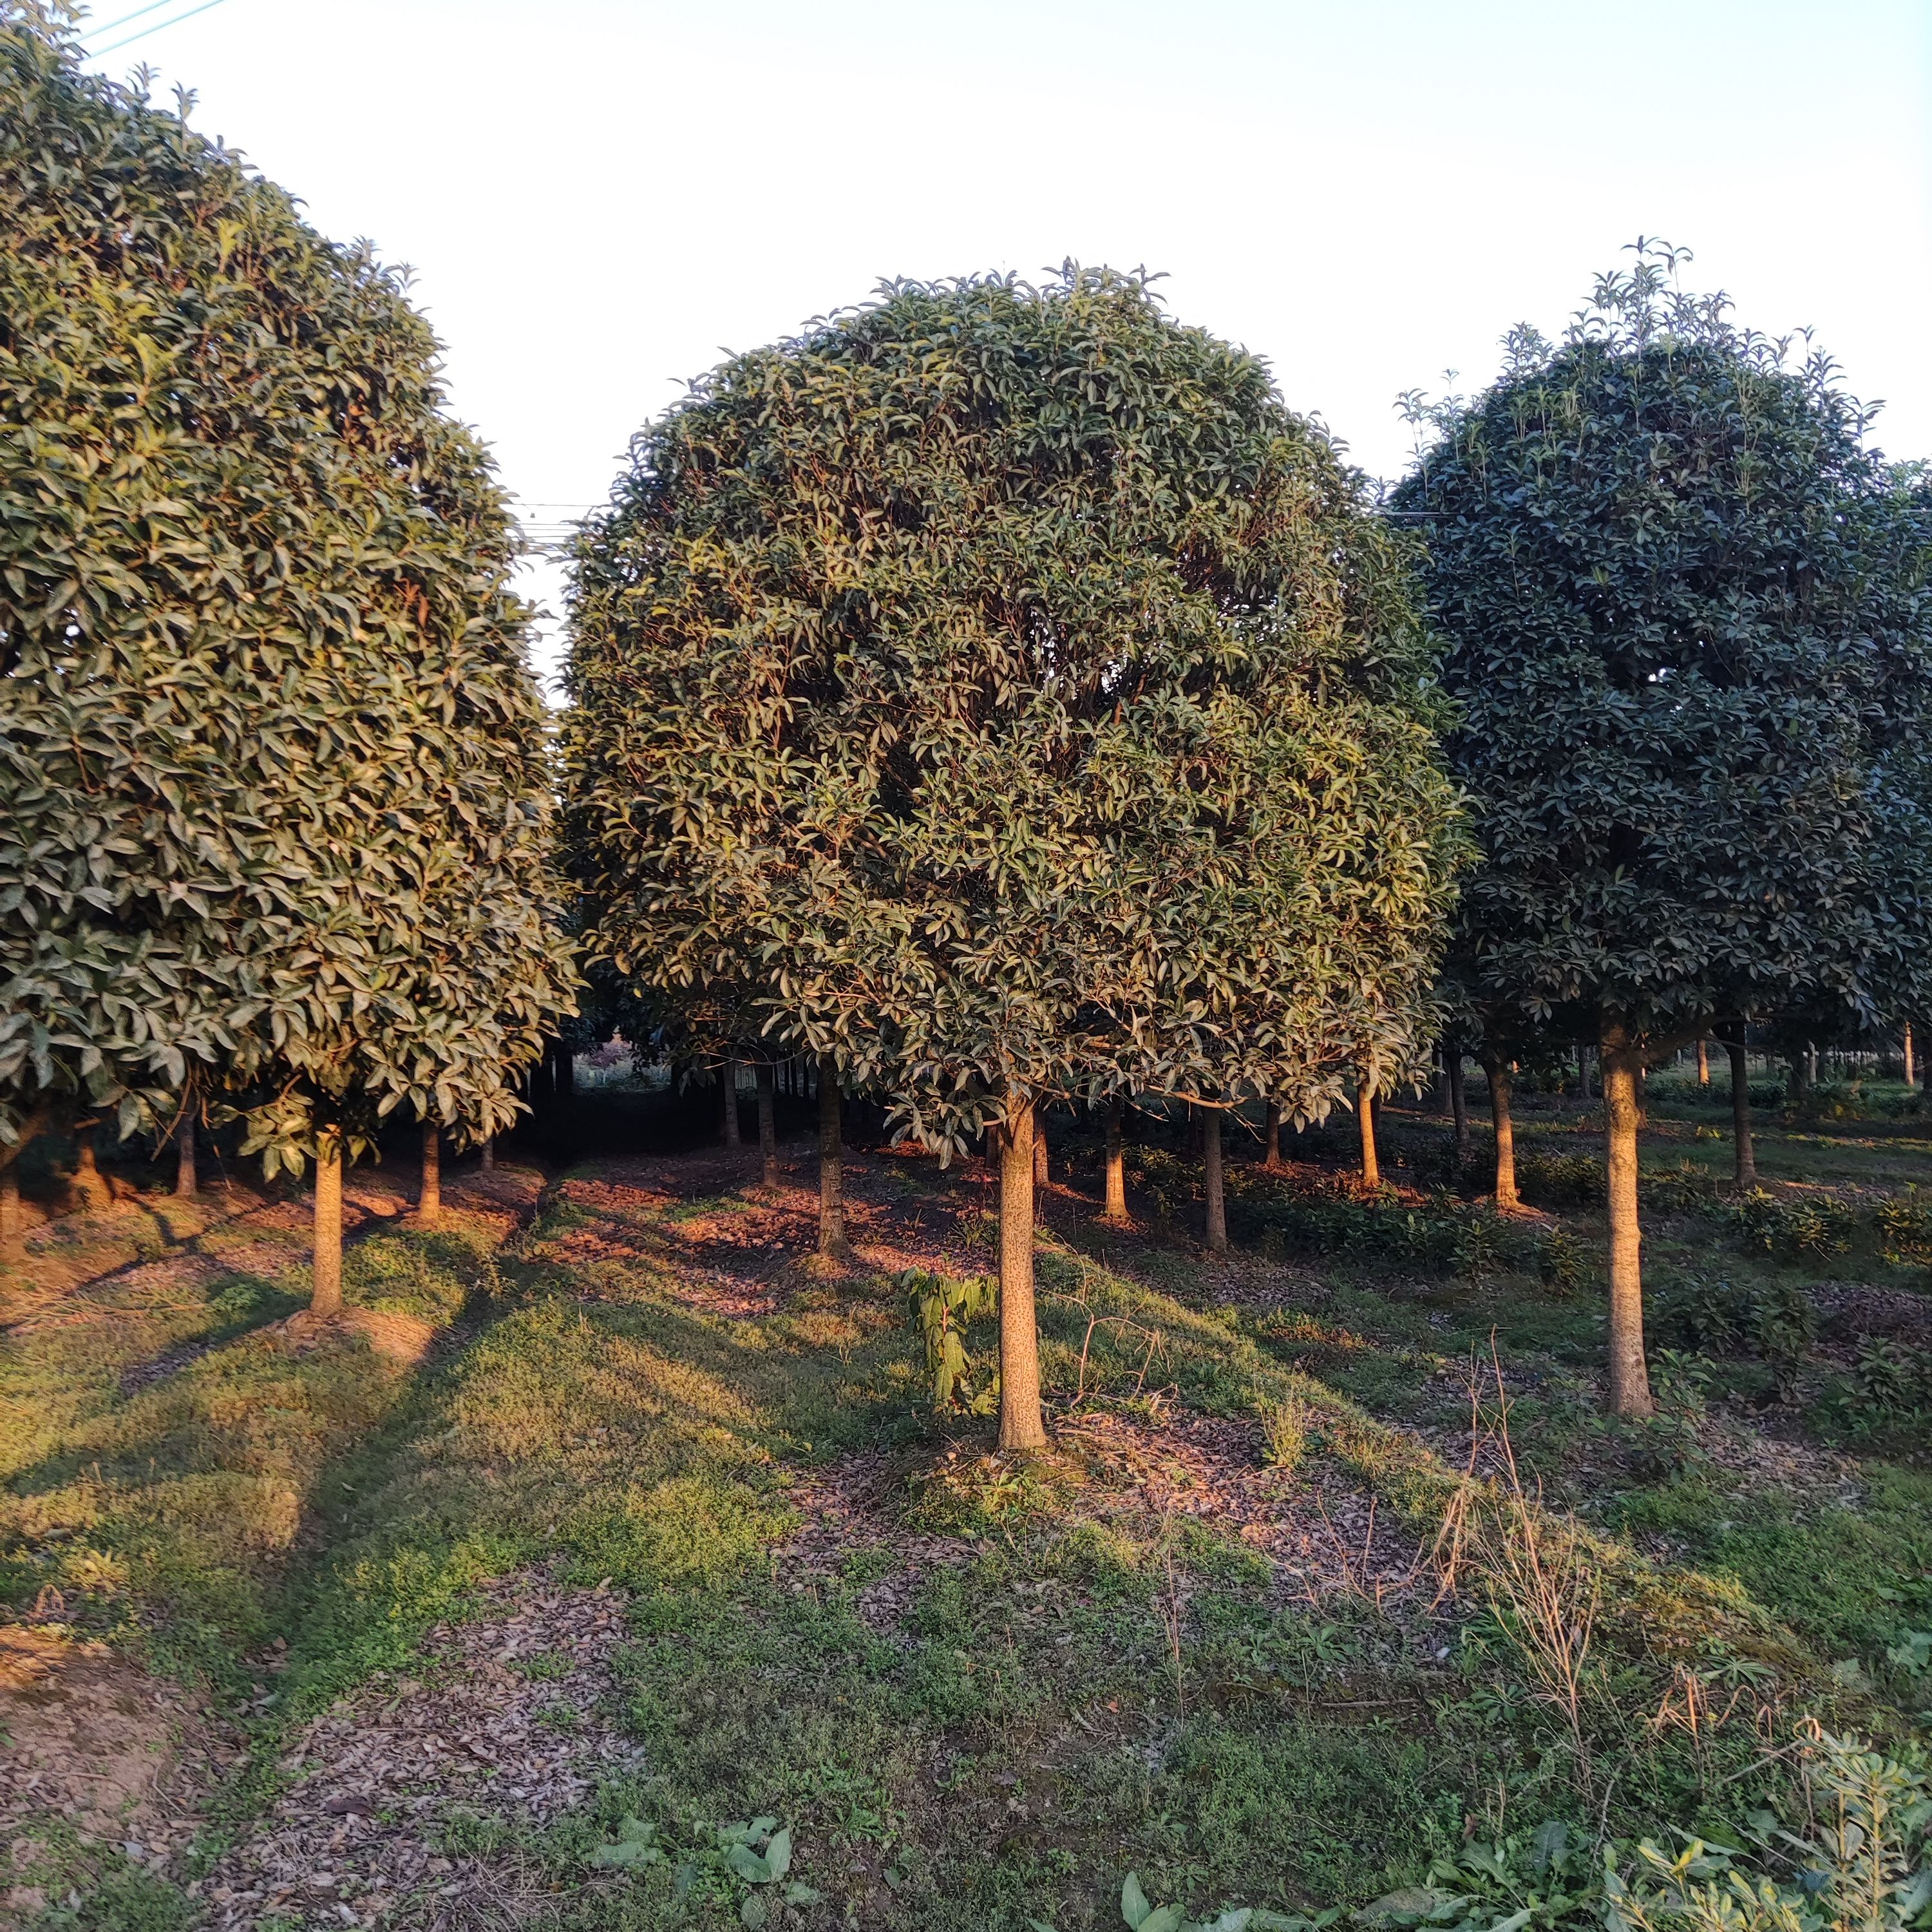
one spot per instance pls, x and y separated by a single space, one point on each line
429 1196
1022 1424
1213 1180
733 1139
1459 1107
1909 1080
187 1181
1798 1084
88 1183
326 1296
1744 1167
1116 1209
1365 1122
832 1240
1582 1070
1271 1153
1040 1174
1703 1063
768 1125
1506 1196
489 1156
1630 1377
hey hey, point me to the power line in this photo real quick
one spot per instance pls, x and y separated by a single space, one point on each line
115 46
152 7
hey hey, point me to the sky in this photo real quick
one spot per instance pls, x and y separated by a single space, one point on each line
601 199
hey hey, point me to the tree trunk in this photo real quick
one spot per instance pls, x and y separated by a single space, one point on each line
832 1242
325 1295
187 1181
1116 1209
768 1125
1796 1084
429 1196
1507 1199
1212 1180
1703 1063
1629 1378
489 1156
733 1139
1909 1080
1744 1167
92 1189
1365 1122
1271 1155
1459 1107
1040 1176
1022 1424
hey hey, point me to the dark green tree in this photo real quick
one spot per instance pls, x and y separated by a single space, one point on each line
1008 687
1680 628
273 779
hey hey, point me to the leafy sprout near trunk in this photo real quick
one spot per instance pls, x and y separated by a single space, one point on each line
274 839
1003 687
1683 622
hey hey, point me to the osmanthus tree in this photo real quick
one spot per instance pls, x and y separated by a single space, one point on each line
1009 675
1679 628
273 775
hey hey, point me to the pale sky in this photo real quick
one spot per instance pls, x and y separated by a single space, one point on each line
601 197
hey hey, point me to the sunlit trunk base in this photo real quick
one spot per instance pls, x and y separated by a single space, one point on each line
1365 1121
187 1180
1021 1423
1506 1198
1212 1180
768 1127
1629 1375
326 1296
832 1240
1116 1209
429 1195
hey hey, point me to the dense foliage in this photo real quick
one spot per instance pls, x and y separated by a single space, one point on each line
1008 690
272 779
1682 614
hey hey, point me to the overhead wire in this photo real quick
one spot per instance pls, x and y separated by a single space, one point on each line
115 46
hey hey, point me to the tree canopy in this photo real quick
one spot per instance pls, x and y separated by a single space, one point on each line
273 768
1009 690
1683 623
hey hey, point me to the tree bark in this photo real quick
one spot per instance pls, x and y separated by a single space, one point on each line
1907 1043
1271 1153
1630 1376
1507 1199
733 1139
1459 1107
1116 1209
489 1155
429 1196
832 1240
1365 1122
1040 1175
1744 1172
88 1183
1703 1063
768 1125
187 1181
325 1295
1212 1180
1022 1424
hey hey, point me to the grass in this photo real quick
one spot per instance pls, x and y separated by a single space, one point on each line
1083 1686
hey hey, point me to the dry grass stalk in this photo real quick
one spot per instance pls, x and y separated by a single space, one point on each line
1531 1566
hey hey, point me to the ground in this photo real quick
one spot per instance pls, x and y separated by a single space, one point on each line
610 1567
